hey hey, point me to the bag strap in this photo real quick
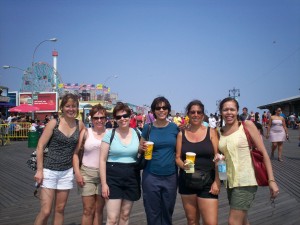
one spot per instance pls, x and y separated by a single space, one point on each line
148 131
112 135
249 139
114 131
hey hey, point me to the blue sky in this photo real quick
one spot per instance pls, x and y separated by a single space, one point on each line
181 49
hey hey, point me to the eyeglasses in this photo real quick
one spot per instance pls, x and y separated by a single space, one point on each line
194 112
99 117
161 107
125 116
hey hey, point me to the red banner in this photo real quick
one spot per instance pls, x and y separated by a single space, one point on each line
46 101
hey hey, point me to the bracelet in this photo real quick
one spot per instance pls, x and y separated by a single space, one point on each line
269 181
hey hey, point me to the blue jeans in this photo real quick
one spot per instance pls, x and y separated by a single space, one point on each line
159 195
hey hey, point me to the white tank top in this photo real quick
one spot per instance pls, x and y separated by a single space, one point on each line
91 151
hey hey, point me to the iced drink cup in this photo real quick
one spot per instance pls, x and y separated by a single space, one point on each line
148 152
190 161
190 156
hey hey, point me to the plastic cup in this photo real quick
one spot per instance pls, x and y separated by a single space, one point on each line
190 161
190 156
148 152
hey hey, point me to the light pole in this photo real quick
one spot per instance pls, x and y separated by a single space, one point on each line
105 81
51 39
108 78
31 69
235 92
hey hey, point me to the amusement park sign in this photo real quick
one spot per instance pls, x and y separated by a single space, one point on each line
46 101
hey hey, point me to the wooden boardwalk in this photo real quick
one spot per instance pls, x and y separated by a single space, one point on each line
18 206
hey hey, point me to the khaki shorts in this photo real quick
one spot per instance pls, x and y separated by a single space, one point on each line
92 185
241 198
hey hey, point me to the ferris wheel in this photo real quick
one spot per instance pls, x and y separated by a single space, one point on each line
41 78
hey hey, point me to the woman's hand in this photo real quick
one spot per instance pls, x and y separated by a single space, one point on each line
39 176
79 180
142 147
105 191
274 190
215 188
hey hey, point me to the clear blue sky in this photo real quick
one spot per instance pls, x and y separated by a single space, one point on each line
181 49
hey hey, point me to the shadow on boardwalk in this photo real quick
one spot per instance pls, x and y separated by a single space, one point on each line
18 206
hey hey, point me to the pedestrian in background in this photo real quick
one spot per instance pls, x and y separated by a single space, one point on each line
277 133
159 179
88 175
54 171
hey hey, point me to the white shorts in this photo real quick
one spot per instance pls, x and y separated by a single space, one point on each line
60 180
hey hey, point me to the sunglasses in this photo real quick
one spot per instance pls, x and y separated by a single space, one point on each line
99 117
35 193
194 112
125 116
161 107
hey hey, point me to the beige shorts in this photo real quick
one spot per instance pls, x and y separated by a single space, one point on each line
92 185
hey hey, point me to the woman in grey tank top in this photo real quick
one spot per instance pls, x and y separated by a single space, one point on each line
54 171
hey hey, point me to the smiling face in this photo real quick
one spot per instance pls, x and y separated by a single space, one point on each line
123 118
70 109
195 115
161 111
98 120
229 112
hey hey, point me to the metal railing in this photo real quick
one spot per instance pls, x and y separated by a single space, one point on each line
13 131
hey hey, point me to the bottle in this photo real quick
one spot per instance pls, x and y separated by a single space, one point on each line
222 168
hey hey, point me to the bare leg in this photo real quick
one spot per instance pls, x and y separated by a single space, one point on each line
89 203
191 209
280 146
46 200
60 203
208 210
113 207
238 217
125 212
274 146
100 203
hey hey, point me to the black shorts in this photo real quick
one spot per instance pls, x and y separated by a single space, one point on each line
202 193
123 181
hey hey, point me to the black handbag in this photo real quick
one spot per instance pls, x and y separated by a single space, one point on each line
197 180
141 162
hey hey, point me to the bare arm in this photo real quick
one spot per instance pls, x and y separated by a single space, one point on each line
269 127
43 141
215 187
104 148
76 168
178 159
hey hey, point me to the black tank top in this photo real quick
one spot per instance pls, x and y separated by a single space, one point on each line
204 152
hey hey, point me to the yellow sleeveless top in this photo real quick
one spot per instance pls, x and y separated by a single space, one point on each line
240 170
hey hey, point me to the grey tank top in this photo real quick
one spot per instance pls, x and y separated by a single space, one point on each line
61 149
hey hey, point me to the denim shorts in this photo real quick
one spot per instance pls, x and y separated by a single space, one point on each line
241 198
59 180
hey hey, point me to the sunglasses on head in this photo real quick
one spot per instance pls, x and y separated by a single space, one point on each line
161 107
99 117
124 116
194 112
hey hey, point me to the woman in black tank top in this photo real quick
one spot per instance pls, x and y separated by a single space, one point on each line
204 142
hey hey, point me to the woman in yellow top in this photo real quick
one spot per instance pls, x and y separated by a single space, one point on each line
241 185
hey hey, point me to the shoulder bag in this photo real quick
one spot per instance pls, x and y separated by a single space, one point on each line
81 150
257 161
32 161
